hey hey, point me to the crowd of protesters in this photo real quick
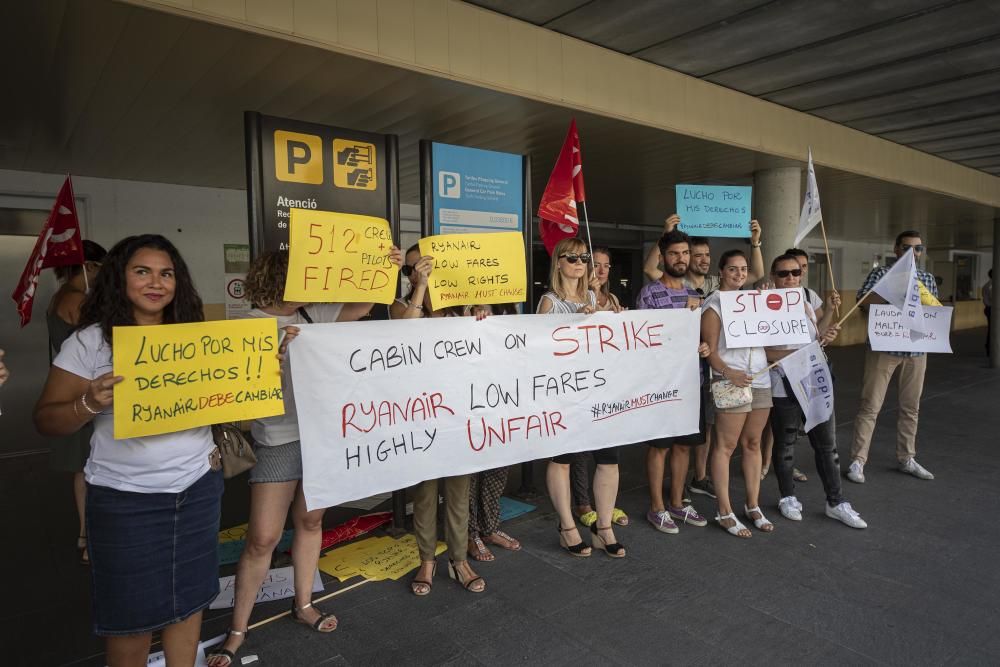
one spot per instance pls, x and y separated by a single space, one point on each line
149 506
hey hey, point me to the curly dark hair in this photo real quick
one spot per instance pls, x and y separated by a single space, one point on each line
107 304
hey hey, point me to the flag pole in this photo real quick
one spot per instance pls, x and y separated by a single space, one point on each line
590 245
86 280
829 264
855 307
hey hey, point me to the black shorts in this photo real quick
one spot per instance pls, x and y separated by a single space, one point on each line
689 440
606 456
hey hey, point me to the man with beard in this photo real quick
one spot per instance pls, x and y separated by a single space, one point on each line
669 292
697 276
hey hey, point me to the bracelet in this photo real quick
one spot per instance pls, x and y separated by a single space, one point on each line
83 402
755 245
418 306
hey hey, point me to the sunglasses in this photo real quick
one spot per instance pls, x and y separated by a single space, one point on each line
406 270
575 259
784 273
916 248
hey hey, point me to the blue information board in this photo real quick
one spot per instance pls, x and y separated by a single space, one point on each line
476 190
714 210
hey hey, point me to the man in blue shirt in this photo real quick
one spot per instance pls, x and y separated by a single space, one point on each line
879 369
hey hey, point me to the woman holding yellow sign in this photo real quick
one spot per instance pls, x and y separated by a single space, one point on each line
276 479
152 502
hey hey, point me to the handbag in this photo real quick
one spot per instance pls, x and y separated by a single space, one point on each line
725 394
236 452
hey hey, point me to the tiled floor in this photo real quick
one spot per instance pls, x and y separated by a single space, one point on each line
918 587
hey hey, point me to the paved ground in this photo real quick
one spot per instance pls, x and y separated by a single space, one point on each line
918 587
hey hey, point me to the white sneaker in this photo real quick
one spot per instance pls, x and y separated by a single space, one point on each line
856 473
846 515
910 466
790 508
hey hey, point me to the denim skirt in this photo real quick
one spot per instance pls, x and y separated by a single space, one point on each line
154 557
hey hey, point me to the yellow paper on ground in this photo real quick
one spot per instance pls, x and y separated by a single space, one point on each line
471 269
339 257
178 376
232 534
375 558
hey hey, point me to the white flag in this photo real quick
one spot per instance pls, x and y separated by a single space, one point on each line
811 214
811 382
900 287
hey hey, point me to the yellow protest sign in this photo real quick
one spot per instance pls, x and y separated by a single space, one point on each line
474 269
179 376
339 257
375 558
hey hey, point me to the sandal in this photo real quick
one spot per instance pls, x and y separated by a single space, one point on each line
737 529
799 476
422 587
478 550
580 549
762 523
474 585
316 625
588 519
226 654
619 517
81 547
613 549
504 541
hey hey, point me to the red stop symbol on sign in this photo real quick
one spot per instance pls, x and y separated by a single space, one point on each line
774 301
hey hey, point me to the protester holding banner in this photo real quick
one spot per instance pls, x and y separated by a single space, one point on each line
456 488
879 369
276 479
569 278
579 467
787 415
486 487
152 502
670 292
70 454
707 283
741 424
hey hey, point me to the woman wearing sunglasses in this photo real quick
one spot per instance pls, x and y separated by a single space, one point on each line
569 278
743 424
786 415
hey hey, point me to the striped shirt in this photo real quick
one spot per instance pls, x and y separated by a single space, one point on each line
656 295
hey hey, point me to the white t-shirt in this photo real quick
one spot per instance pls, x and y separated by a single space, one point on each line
777 375
741 358
282 429
167 463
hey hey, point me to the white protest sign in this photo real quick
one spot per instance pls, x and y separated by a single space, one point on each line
889 333
385 405
278 585
762 318
812 383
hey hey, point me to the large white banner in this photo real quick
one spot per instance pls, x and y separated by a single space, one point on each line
761 318
889 331
384 405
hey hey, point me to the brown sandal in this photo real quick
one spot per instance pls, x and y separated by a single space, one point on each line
417 584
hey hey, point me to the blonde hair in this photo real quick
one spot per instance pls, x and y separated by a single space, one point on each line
556 283
265 282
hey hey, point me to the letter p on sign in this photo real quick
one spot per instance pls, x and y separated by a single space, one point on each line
449 185
298 158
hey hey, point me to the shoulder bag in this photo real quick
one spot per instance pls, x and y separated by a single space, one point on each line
725 394
236 452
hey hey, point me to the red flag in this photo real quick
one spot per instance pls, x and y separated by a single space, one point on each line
59 244
557 209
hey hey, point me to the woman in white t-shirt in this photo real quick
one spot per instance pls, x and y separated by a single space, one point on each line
276 479
741 425
153 502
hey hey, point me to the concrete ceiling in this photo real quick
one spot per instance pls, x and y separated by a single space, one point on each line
105 89
924 73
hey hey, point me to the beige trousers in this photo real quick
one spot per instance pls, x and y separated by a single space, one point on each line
456 517
879 368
